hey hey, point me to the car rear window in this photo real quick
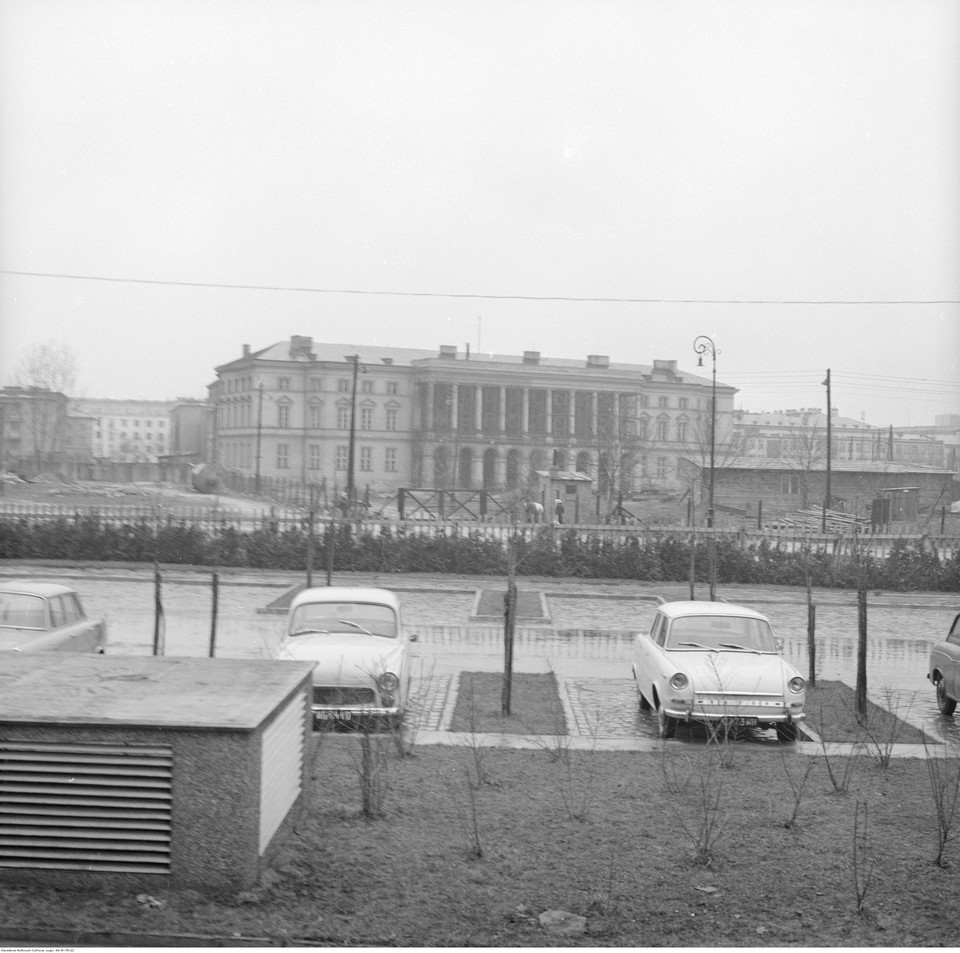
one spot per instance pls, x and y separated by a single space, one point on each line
22 611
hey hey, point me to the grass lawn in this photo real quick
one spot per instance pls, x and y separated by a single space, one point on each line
694 845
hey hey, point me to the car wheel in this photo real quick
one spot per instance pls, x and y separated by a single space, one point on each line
787 731
667 726
945 703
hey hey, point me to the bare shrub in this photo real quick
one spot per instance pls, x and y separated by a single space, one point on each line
798 784
372 773
839 779
703 818
468 814
882 729
943 771
861 862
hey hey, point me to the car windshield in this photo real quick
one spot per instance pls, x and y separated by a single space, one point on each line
362 617
20 610
720 633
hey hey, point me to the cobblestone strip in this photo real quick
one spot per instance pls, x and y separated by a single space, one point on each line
433 697
600 707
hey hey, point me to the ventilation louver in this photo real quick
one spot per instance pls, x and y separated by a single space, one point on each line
96 807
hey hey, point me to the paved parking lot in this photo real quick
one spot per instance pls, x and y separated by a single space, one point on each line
586 638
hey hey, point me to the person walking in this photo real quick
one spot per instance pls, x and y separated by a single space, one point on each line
559 509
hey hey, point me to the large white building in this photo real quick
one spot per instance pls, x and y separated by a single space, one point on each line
301 410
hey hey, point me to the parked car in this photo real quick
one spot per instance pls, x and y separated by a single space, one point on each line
47 617
362 650
944 669
717 664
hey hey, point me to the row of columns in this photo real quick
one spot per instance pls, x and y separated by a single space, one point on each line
525 408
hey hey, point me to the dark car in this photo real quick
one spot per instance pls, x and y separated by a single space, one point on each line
944 669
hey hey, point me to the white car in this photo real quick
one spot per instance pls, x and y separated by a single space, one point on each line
46 617
363 655
717 664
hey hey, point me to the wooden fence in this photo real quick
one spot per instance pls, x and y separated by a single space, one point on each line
278 518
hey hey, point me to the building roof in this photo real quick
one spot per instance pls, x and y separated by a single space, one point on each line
378 355
836 466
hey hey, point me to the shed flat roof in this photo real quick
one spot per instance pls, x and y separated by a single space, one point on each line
143 690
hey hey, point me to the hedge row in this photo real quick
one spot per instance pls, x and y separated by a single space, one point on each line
658 559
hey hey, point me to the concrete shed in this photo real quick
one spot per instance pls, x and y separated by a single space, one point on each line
140 772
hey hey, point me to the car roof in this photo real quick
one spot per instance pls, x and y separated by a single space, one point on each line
31 588
673 610
346 594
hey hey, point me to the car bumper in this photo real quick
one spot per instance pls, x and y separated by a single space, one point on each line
746 716
370 717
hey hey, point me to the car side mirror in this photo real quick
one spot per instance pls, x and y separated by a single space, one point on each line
413 637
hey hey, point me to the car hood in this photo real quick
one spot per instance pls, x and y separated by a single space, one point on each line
735 671
349 658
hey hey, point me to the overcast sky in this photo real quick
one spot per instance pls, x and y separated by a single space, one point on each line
471 167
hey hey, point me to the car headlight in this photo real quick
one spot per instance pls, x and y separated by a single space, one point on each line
679 682
387 700
796 685
388 682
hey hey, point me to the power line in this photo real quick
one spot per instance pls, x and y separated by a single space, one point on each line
480 295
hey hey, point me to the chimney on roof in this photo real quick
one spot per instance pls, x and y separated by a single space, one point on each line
531 357
301 346
598 360
448 352
246 350
664 367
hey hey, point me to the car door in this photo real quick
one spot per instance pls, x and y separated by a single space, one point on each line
646 656
951 661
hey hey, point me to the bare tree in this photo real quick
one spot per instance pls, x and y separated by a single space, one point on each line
49 370
806 450
620 447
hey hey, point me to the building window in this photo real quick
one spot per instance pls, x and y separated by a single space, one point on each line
343 417
283 383
366 418
283 415
342 453
283 461
390 460
391 419
315 416
663 402
343 386
393 388
662 430
661 468
643 428
316 384
366 387
682 431
644 400
366 458
683 403
790 484
314 456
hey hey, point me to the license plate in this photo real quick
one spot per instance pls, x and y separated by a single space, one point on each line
748 722
319 716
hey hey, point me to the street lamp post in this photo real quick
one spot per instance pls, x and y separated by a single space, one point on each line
704 345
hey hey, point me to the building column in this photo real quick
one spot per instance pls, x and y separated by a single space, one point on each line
454 408
525 412
549 412
431 398
594 414
478 410
572 414
502 416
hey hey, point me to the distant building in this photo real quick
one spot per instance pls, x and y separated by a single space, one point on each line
801 436
451 418
126 431
33 428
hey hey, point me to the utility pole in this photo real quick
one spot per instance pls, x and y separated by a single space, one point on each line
256 478
355 360
705 345
827 494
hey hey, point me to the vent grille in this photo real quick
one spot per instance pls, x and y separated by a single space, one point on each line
90 807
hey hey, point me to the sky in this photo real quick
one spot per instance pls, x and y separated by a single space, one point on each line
178 179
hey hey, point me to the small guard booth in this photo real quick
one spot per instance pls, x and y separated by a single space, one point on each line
138 772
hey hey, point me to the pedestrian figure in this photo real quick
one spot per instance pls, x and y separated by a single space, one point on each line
534 511
559 509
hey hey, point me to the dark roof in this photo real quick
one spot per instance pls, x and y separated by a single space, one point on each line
836 466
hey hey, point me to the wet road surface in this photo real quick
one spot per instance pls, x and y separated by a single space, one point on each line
587 640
